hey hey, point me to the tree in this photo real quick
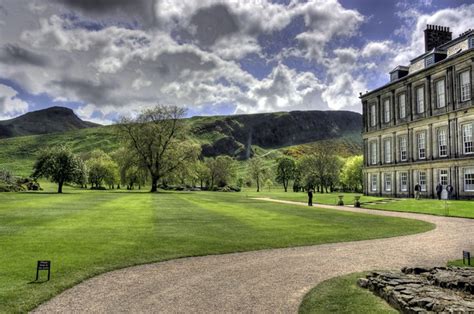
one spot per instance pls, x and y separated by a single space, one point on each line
286 170
202 172
221 170
101 168
258 171
351 173
269 184
320 170
59 165
157 136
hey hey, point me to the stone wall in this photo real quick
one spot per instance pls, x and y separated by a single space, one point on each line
421 290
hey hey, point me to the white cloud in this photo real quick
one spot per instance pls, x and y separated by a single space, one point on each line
10 104
376 48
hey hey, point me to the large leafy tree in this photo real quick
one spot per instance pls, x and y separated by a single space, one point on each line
221 170
351 173
59 165
286 170
320 170
101 168
157 136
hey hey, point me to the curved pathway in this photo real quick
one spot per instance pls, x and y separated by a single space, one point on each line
261 281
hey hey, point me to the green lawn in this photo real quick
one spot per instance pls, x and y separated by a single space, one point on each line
429 206
342 295
85 233
321 198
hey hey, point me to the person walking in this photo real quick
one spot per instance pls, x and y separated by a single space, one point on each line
439 189
310 197
417 191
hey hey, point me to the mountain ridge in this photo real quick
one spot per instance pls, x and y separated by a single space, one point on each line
45 121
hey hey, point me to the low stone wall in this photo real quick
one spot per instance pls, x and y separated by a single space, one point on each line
421 290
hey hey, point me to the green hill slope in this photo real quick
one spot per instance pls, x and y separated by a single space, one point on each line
269 135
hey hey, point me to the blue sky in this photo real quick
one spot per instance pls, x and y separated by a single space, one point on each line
107 59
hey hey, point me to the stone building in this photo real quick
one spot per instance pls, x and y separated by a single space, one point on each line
419 127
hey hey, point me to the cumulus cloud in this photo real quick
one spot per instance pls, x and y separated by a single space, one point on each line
10 104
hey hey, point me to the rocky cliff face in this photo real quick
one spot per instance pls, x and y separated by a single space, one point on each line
273 130
50 120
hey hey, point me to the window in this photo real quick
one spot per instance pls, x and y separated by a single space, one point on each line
421 143
402 106
471 42
440 94
442 143
373 182
388 182
373 153
388 151
465 85
469 179
386 110
403 148
467 138
373 115
429 60
443 177
422 180
420 99
403 181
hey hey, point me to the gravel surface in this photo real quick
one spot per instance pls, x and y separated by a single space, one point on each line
266 281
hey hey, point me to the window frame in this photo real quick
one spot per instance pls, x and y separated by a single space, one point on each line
373 115
373 153
373 182
470 172
463 134
467 91
387 142
387 182
443 175
418 148
437 95
400 96
404 187
403 138
438 138
386 110
417 99
422 182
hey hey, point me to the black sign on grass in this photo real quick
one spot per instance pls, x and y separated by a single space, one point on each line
466 256
43 265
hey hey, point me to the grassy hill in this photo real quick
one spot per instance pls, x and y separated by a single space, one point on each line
287 134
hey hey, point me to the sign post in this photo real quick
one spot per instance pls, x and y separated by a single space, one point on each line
43 265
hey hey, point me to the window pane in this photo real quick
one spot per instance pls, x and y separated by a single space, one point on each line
440 96
386 109
442 143
388 182
401 105
469 179
373 117
374 182
467 138
373 153
465 86
421 145
403 148
420 100
388 150
403 181
422 180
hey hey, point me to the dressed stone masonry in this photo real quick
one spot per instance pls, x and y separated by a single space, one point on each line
424 290
419 127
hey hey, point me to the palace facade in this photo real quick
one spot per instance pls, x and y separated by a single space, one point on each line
419 128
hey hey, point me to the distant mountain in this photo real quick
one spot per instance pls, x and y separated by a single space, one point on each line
235 135
50 120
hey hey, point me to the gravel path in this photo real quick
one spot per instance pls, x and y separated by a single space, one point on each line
261 281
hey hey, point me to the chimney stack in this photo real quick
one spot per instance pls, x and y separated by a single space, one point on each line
435 36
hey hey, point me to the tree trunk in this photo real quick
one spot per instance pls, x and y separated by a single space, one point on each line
60 187
258 185
285 185
154 184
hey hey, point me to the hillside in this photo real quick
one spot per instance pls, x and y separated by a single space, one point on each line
50 120
269 135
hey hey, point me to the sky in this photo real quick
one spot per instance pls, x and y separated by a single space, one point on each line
110 58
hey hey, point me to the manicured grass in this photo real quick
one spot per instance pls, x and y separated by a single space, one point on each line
85 233
321 198
459 263
342 295
429 206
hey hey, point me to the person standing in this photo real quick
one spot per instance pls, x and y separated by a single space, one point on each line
310 197
439 189
417 191
450 190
